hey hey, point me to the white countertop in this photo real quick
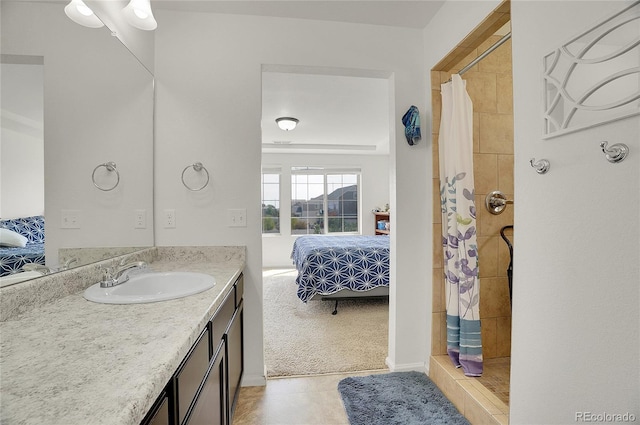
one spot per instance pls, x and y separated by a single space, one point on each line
73 361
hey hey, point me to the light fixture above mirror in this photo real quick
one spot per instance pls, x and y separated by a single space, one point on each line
82 14
138 14
287 123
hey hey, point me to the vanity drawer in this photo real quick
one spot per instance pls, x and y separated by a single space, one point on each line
221 319
191 373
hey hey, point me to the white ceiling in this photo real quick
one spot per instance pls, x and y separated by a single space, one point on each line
397 13
341 114
338 113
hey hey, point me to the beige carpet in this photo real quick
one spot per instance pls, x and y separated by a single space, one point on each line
306 339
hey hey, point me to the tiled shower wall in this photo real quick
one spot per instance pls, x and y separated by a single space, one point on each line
489 84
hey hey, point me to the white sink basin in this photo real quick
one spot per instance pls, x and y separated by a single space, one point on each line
151 287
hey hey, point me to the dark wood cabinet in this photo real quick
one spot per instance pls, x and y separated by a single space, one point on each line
159 413
209 408
205 387
188 378
236 358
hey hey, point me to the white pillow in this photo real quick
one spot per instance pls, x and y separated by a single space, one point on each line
11 238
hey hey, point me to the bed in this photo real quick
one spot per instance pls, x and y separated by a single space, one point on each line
335 267
15 256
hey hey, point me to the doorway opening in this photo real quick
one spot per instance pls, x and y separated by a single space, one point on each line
489 84
322 178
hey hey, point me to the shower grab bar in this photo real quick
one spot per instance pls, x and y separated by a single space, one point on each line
496 202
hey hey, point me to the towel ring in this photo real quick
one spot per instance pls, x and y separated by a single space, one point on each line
110 166
196 167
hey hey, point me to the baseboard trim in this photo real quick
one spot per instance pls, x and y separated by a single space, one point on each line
253 381
406 367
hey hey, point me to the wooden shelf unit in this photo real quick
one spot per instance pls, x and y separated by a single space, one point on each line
381 216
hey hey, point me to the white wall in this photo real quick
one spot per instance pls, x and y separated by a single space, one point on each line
575 345
374 192
139 42
576 304
208 70
98 107
22 147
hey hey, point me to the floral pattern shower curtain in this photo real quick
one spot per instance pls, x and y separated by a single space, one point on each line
462 285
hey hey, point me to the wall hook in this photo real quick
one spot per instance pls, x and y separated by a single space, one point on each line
616 153
541 166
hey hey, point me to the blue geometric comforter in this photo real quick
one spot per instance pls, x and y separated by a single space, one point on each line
13 258
328 264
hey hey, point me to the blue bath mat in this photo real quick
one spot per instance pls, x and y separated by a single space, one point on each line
397 398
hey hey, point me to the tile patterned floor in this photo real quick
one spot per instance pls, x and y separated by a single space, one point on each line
314 400
307 400
495 377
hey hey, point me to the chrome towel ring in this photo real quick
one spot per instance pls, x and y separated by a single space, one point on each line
197 167
111 167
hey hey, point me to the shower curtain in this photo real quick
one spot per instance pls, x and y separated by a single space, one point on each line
462 286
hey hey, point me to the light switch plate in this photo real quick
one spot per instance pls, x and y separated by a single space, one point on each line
70 219
237 217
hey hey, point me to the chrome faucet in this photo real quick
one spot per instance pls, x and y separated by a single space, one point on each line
116 276
68 263
34 267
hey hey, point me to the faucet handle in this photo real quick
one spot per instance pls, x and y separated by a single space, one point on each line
107 273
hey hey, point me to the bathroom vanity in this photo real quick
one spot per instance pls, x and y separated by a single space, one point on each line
73 361
204 388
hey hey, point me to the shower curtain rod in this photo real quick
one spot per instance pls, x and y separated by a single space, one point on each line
485 53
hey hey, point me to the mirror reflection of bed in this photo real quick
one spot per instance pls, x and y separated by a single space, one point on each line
21 249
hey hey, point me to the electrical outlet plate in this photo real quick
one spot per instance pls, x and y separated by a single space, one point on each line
169 219
140 219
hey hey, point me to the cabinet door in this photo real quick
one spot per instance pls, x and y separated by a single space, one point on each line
159 414
235 358
221 319
210 406
190 375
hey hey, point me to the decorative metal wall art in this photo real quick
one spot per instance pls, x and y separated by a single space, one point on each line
594 78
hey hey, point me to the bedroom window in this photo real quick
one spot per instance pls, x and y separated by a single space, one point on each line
270 202
324 201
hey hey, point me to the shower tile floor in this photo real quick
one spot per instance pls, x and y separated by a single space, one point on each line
495 377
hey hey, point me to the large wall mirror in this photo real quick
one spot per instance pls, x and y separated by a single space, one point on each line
96 105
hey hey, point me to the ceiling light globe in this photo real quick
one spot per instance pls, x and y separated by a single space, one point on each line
82 14
287 123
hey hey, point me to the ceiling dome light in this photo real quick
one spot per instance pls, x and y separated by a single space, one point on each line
138 14
82 14
287 123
